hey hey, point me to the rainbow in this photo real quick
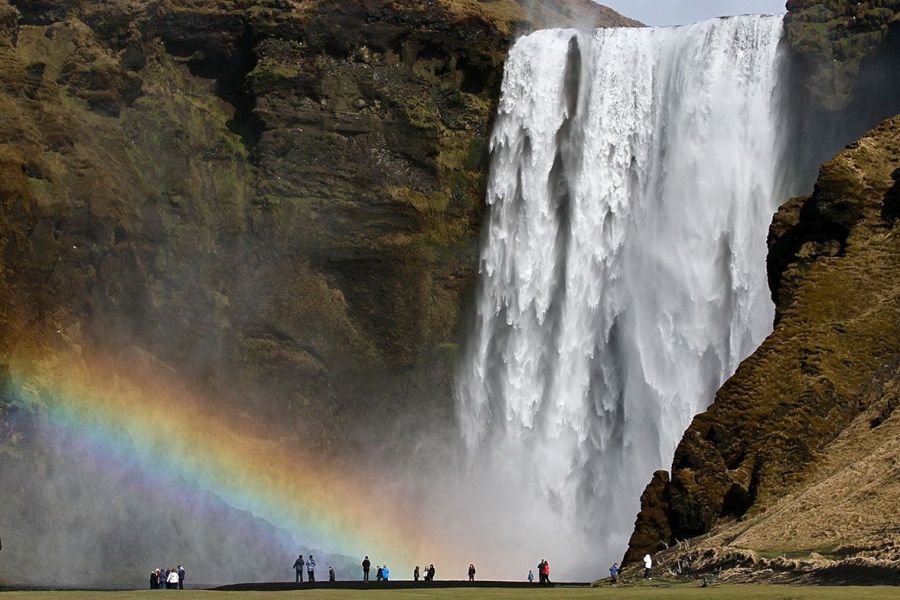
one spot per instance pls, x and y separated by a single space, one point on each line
142 413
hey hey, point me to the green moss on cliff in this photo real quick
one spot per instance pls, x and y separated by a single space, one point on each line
835 38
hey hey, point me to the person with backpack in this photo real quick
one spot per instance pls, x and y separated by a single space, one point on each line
366 565
299 564
311 569
471 572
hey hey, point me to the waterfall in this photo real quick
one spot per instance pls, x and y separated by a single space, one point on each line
623 272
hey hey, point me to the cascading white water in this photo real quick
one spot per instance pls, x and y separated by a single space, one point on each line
623 276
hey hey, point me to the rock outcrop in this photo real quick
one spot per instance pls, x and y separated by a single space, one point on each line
799 451
844 46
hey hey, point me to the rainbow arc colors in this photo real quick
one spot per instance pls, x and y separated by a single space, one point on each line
142 414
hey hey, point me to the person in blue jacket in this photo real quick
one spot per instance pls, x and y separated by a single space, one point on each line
614 572
386 573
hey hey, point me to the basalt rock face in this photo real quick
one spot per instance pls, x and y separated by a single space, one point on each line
276 199
849 51
799 451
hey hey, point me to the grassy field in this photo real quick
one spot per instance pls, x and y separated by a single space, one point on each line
655 592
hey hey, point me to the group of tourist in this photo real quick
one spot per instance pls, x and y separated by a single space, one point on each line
382 573
429 573
170 579
543 569
615 570
310 566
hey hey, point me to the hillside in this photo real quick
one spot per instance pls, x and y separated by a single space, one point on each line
798 456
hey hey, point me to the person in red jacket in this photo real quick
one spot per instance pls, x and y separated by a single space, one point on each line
546 573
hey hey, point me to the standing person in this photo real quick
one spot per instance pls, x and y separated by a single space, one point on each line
181 575
547 573
431 572
471 572
366 565
331 574
416 573
385 573
172 580
379 574
154 580
648 565
160 579
614 572
540 570
311 569
166 577
298 569
530 576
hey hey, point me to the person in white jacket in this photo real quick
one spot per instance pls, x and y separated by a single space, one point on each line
648 564
172 581
311 569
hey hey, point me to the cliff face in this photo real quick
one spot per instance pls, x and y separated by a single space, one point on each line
275 198
841 44
275 203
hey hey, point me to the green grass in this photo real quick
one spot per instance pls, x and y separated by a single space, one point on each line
654 592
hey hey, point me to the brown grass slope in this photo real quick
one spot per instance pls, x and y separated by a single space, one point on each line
800 452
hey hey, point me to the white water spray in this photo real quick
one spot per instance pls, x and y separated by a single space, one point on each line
623 277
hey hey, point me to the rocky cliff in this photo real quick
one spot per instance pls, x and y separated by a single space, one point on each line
279 199
842 45
274 202
797 457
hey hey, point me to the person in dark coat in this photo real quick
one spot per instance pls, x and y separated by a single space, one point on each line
471 572
331 574
416 573
379 574
154 580
181 576
299 564
366 565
